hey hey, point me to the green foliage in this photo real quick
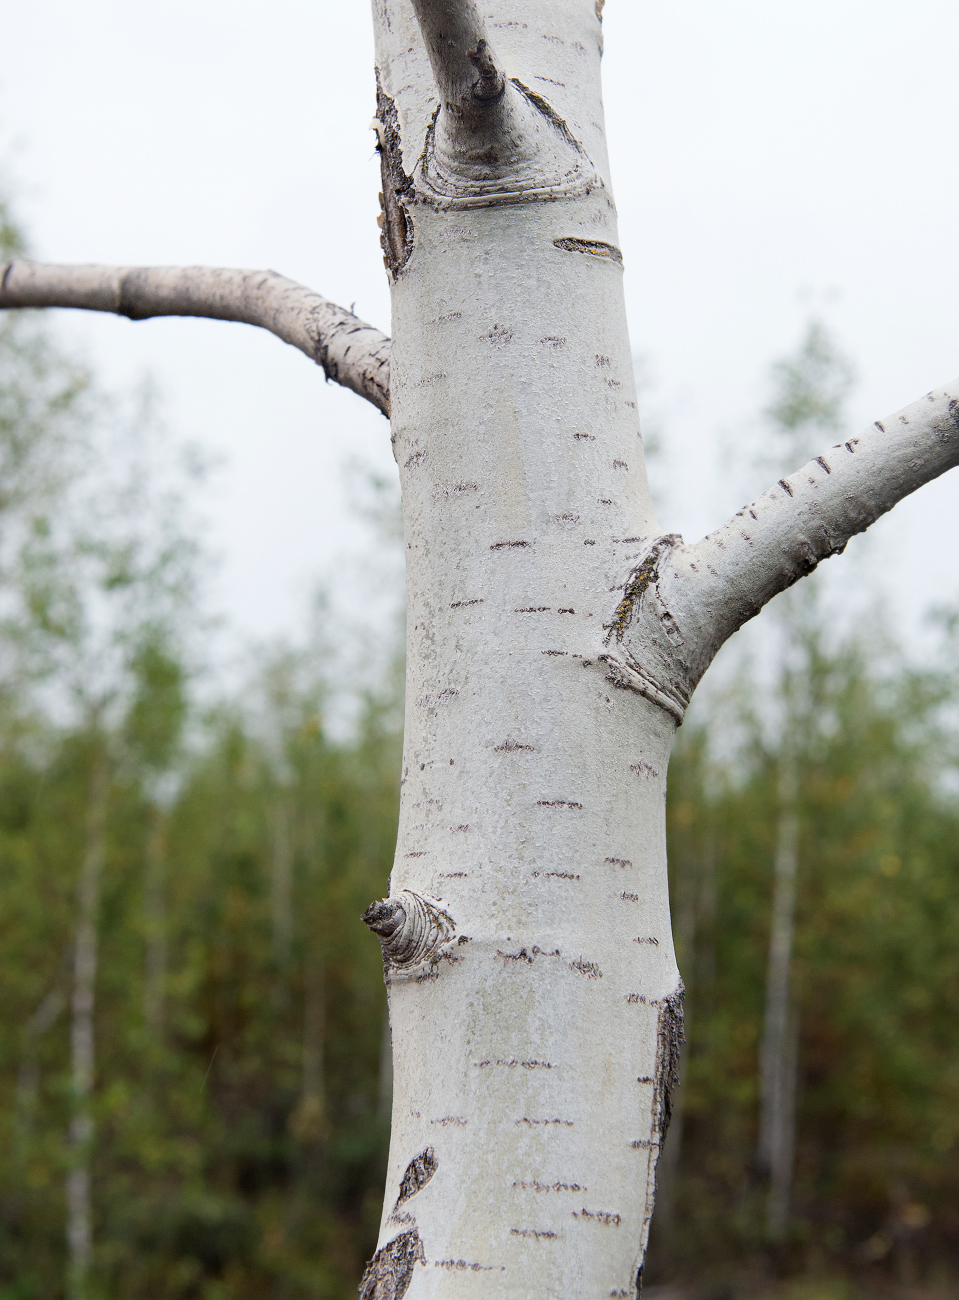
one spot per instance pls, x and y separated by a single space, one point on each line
877 978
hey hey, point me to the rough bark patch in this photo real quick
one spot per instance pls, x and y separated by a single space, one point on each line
396 235
418 1173
390 1271
669 1044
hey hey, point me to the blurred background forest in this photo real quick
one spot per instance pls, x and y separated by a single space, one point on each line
194 1063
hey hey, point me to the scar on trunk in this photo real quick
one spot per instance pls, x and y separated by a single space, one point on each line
396 228
669 1042
390 1271
418 1173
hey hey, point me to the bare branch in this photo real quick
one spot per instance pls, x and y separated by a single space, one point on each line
681 603
464 65
350 352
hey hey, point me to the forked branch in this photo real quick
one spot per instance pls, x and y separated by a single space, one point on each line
349 351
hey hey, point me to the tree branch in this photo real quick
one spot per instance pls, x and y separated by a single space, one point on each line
494 141
681 603
349 351
468 79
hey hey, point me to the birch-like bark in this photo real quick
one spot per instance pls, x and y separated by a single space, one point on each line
534 995
777 1070
82 1042
349 351
28 1075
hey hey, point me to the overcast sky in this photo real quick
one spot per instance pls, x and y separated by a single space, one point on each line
769 161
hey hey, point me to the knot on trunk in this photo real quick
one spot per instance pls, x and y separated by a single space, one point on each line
412 929
646 644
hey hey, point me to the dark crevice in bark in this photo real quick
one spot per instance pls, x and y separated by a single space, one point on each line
418 1173
595 247
669 1043
390 1271
396 227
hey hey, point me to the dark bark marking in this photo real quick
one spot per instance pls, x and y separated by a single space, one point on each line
588 968
619 862
498 335
462 1265
669 1042
511 1064
785 487
532 609
510 746
549 113
629 898
527 956
584 437
594 247
534 1186
499 546
554 652
821 461
533 1123
390 1271
599 1216
644 576
462 604
418 1173
558 803
654 942
396 235
529 1232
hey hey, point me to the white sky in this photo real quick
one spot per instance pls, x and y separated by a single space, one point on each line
769 159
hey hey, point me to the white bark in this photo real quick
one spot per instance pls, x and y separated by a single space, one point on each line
532 1053
82 1042
350 352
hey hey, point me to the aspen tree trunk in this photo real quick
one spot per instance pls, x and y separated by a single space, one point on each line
532 1062
555 636
82 1043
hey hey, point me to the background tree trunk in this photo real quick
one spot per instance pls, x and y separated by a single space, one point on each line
154 993
778 1055
82 1043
